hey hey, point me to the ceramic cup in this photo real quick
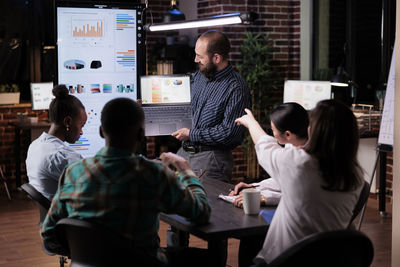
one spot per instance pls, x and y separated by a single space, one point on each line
251 201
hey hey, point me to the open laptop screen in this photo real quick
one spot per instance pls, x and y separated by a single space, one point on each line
165 89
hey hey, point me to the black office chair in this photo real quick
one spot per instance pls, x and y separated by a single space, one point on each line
43 204
362 200
91 245
341 248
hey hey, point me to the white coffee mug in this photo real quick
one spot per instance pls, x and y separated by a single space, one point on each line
251 201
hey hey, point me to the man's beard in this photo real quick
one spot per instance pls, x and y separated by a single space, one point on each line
208 70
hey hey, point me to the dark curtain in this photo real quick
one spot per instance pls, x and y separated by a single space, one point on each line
14 30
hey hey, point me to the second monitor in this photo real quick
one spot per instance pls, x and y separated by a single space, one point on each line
306 93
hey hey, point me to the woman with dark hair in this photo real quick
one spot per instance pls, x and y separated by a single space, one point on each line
48 155
320 184
289 123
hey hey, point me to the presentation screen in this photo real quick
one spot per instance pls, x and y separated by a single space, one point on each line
100 56
306 93
41 95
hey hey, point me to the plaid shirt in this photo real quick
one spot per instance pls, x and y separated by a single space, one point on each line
125 193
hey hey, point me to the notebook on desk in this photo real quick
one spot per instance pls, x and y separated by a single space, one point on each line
166 103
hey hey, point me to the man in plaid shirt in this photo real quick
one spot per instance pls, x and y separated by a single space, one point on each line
124 191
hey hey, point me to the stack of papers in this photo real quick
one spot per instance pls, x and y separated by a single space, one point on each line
229 199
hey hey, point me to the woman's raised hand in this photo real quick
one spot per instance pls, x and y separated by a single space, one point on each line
246 119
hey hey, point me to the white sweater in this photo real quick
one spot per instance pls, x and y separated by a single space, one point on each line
305 208
270 190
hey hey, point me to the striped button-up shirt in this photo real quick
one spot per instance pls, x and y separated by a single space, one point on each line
125 193
216 103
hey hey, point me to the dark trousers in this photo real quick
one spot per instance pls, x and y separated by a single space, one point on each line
217 164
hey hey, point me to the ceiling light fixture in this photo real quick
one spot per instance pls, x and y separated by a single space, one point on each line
220 20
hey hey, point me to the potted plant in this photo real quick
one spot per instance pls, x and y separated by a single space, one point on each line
9 94
255 67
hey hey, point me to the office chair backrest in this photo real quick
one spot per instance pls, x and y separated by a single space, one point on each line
361 202
344 248
91 245
42 202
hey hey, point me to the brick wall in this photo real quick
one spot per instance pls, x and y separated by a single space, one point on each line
9 113
280 19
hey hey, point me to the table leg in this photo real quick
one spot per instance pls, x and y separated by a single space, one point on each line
218 250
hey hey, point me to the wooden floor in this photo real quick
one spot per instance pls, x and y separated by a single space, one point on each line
20 244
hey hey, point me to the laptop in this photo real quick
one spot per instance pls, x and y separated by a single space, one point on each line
166 103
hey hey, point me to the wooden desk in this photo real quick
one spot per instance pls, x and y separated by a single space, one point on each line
23 126
226 221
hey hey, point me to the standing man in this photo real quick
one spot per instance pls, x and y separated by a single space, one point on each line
219 96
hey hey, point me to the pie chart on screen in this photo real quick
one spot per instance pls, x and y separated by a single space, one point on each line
74 64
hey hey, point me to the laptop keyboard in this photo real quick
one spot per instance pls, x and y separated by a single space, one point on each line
167 113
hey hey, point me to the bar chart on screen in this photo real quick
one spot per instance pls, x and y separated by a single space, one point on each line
126 60
125 22
87 28
81 144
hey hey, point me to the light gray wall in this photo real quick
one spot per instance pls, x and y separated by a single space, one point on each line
305 39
